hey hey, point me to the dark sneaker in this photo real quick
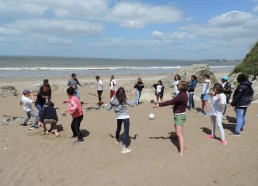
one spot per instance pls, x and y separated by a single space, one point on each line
242 130
79 141
235 134
32 128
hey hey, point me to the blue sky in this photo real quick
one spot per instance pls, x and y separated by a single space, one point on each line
157 29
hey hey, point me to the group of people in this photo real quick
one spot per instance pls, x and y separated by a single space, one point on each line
182 99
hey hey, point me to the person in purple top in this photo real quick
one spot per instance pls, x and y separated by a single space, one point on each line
180 105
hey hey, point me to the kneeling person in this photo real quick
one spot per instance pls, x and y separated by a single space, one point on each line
49 116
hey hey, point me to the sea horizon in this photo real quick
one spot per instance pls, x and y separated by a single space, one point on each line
48 66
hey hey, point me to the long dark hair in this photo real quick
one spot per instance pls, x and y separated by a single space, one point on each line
120 95
218 87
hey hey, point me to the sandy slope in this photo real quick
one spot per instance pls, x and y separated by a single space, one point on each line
29 158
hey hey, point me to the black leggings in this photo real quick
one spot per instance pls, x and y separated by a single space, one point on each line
99 94
75 126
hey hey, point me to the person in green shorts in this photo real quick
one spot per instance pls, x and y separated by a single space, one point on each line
180 105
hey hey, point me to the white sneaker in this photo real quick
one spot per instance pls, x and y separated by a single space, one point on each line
126 150
116 142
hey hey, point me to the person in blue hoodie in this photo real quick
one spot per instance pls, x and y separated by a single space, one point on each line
242 98
191 87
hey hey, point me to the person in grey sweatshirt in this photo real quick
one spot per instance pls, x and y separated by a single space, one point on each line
119 103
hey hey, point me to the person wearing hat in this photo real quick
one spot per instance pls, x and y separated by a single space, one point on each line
73 82
226 90
26 101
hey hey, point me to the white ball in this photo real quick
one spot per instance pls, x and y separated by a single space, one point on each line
151 116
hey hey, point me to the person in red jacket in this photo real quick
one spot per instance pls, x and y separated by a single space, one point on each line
75 109
180 105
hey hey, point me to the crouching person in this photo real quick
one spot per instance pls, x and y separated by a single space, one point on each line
49 116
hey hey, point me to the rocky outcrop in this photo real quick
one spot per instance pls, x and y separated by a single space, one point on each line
7 91
186 72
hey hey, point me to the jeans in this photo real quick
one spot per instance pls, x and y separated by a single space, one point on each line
76 92
126 129
191 101
40 108
99 94
28 116
138 95
240 118
75 126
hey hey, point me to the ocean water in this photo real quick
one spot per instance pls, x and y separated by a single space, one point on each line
21 67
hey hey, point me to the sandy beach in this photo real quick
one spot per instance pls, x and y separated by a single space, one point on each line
31 158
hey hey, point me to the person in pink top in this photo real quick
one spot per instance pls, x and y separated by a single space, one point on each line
75 109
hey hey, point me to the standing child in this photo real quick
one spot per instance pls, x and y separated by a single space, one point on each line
112 85
138 86
177 78
191 87
227 91
205 93
119 103
73 82
99 87
75 109
159 91
26 101
218 104
180 104
43 96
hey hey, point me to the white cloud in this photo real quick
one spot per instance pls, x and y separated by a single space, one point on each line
57 26
230 25
50 40
68 8
232 18
255 9
170 37
137 15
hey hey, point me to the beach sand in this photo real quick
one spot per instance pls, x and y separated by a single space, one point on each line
30 158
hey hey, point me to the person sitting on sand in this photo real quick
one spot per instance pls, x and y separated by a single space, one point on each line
75 109
119 103
218 104
49 116
180 105
26 101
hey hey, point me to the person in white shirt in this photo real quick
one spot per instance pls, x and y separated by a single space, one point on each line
177 78
112 86
26 101
159 91
99 87
218 104
205 93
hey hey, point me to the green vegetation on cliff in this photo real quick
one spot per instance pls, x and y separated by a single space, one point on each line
249 65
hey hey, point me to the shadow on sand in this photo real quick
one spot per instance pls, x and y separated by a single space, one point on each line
172 137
